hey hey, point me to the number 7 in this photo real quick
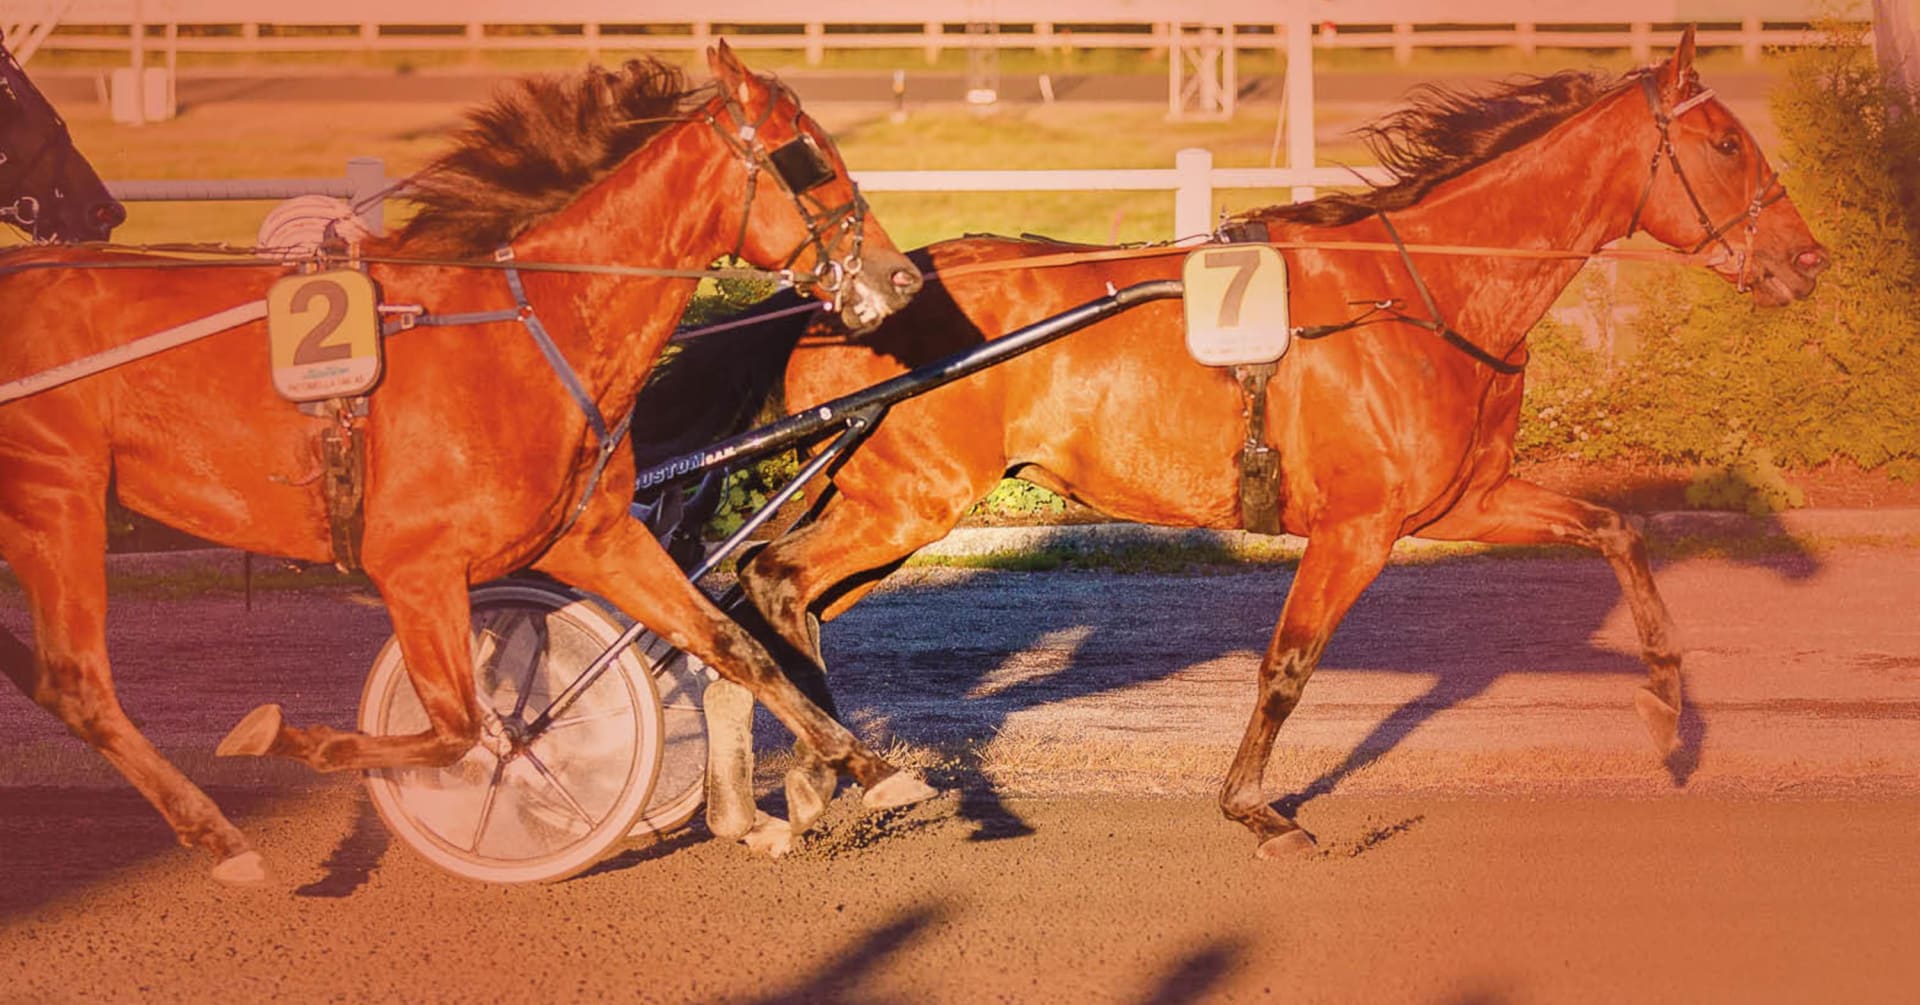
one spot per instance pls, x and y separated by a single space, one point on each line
1246 260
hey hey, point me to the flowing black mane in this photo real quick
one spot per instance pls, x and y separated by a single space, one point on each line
1443 132
533 147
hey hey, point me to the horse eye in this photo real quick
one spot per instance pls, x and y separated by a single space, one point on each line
1728 144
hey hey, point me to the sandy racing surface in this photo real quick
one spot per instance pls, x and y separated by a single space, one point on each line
1492 827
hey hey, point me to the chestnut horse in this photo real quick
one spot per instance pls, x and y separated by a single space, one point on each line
481 441
47 189
1391 429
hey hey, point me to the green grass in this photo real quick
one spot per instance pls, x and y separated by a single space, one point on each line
241 140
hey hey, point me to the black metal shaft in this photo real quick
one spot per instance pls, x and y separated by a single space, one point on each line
804 426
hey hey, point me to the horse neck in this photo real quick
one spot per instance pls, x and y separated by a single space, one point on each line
664 207
1570 190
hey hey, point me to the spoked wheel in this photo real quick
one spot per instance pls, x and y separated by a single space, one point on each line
530 803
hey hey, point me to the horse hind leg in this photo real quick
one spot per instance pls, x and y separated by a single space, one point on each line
67 674
1519 512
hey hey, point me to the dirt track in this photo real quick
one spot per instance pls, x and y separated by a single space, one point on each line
1492 830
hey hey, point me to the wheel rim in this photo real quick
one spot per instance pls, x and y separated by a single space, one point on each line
523 808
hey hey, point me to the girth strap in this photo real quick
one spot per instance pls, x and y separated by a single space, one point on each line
607 439
1259 462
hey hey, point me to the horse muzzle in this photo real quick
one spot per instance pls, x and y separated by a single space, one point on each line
1774 278
1778 280
884 284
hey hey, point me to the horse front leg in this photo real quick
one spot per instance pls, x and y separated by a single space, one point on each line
431 621
1520 512
1339 563
620 560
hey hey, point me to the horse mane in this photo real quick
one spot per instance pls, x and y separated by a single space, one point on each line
533 147
1444 132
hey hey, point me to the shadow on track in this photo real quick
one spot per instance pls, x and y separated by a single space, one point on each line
954 659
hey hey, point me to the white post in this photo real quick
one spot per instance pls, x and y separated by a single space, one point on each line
1300 152
1896 39
1175 56
1229 70
816 43
139 44
367 178
1193 193
934 30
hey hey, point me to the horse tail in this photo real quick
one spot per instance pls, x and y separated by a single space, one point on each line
716 383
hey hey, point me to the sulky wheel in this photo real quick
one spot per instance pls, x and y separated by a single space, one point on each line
524 807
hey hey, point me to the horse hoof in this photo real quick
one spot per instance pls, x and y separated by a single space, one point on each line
1295 843
770 836
244 869
1662 719
728 819
254 736
807 800
902 788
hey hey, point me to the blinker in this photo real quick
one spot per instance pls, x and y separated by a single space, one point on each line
800 165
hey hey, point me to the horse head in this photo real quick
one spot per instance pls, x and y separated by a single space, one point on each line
1710 190
800 201
46 188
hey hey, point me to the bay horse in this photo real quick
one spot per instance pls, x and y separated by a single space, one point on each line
1403 425
47 189
481 440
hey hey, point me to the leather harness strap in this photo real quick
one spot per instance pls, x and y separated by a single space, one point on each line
1259 461
607 437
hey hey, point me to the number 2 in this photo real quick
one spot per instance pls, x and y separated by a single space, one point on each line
313 347
1246 261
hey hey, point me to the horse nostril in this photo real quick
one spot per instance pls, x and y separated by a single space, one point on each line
1812 261
108 215
906 279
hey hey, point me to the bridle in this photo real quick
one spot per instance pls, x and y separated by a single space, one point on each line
801 167
25 210
1767 190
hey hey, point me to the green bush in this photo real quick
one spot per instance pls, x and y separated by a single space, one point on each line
1014 499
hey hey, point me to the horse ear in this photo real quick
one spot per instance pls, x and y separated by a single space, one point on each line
728 69
1680 68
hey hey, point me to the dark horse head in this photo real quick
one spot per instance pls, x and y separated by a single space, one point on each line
46 188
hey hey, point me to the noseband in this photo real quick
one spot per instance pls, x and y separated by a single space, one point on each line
800 167
1767 190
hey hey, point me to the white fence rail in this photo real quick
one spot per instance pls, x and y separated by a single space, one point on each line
1192 180
234 26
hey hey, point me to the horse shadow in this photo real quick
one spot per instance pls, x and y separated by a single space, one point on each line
938 670
848 975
